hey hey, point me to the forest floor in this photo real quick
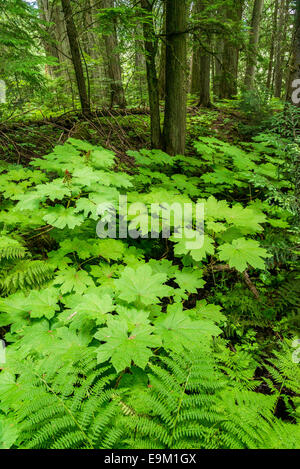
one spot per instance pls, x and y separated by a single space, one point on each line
118 131
243 285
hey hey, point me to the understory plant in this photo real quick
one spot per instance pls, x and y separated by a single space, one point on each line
126 343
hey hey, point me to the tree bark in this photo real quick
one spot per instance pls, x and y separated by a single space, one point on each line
117 94
45 15
253 43
76 58
140 65
150 52
200 81
218 51
94 49
279 55
162 60
195 73
292 95
176 74
272 47
230 58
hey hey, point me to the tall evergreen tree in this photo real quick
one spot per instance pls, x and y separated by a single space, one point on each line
150 51
76 56
176 77
253 43
231 50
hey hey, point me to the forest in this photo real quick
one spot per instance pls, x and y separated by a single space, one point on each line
149 224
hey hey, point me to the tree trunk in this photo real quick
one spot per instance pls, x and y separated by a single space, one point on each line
279 55
200 82
253 43
162 60
48 44
293 89
218 50
272 48
204 92
76 58
61 40
195 72
230 58
150 51
293 95
140 64
176 77
117 94
94 49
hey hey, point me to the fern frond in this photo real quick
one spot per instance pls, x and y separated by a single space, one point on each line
53 417
190 402
24 275
11 249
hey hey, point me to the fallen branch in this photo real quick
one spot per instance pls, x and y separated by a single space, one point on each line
227 268
251 285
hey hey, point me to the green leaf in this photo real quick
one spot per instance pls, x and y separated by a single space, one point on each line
30 201
83 248
242 252
60 217
73 280
188 244
178 330
9 432
102 159
123 346
134 317
245 218
80 144
85 177
43 303
209 311
55 190
110 249
190 280
14 304
94 307
142 285
87 207
104 273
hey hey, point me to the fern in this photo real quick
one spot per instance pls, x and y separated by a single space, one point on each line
283 371
11 249
17 270
117 351
187 402
71 405
190 404
26 275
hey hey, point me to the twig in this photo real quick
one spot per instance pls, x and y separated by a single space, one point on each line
251 285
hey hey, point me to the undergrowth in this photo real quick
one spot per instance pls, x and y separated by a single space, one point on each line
142 343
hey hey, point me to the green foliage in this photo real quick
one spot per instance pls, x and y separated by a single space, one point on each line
191 405
70 406
242 252
17 270
121 341
142 285
148 342
184 401
20 60
256 105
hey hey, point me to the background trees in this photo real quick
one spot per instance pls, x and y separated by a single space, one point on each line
95 53
253 42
